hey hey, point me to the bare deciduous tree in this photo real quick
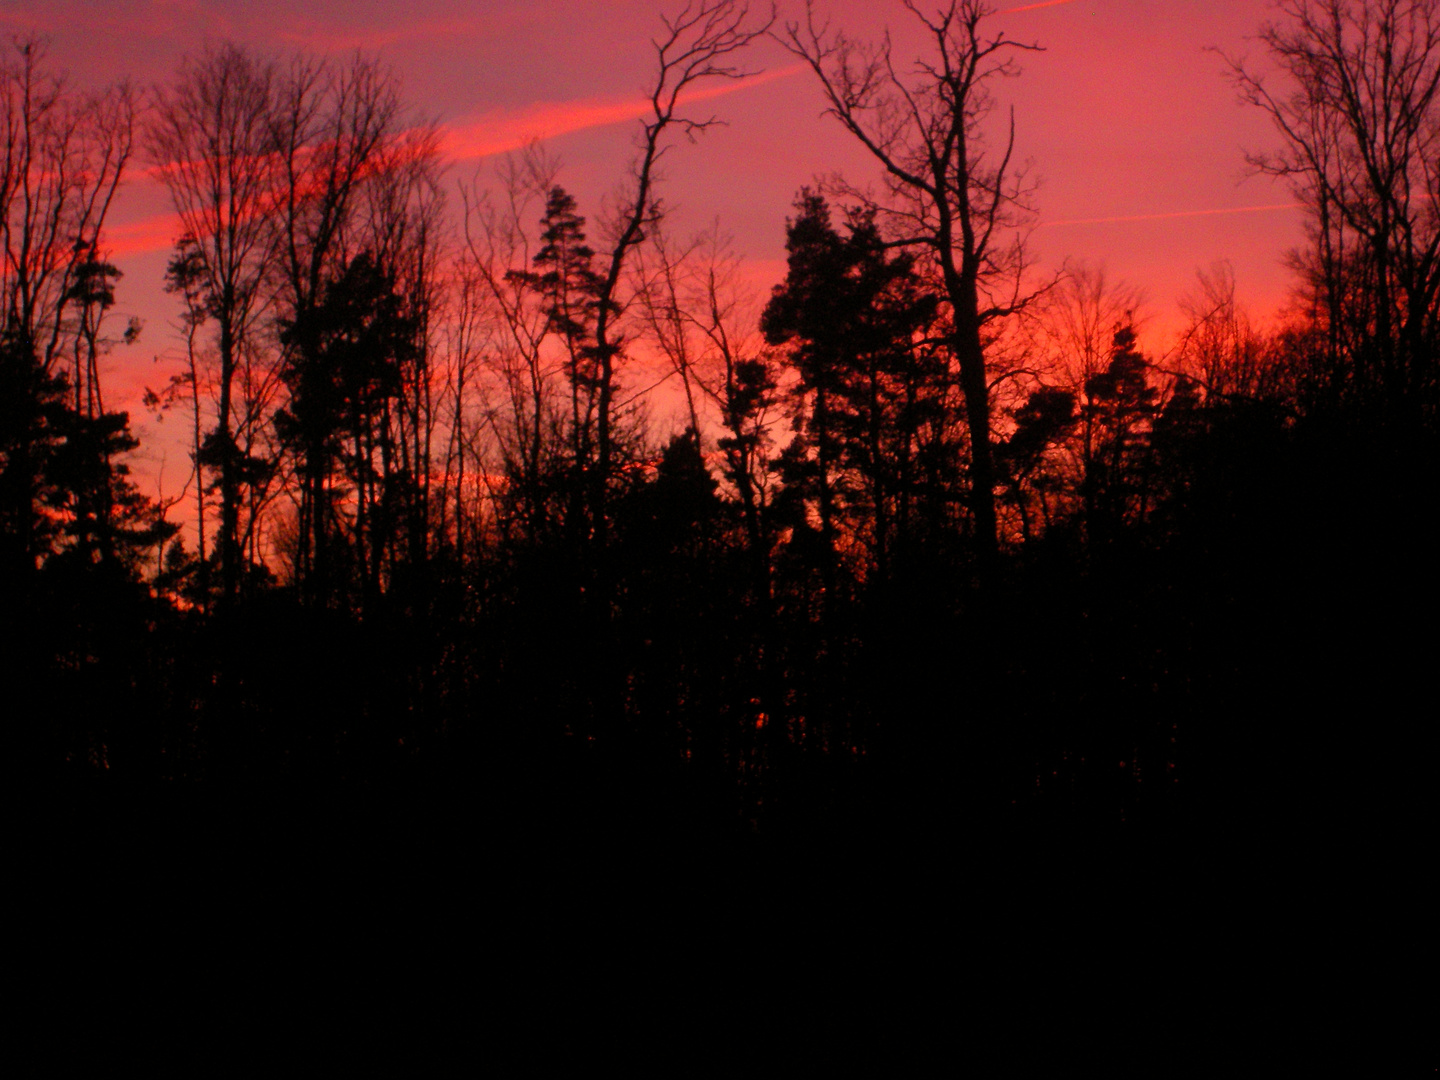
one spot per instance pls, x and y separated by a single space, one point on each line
1357 106
1079 320
1221 348
702 319
356 181
661 293
210 140
701 43
64 156
948 192
470 336
500 249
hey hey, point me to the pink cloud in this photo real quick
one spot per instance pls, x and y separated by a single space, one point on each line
498 132
494 133
1033 7
139 237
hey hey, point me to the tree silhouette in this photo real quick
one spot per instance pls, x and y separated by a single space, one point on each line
700 44
33 419
210 137
854 316
949 199
65 155
1119 408
513 554
1046 420
344 376
1359 117
568 283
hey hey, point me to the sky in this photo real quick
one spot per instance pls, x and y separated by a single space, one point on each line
1126 117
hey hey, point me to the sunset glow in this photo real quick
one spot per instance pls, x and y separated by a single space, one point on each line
1175 214
1125 116
501 133
764 502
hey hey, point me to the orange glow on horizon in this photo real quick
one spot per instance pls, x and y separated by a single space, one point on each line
1129 122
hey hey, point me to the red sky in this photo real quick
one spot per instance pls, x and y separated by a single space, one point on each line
1126 116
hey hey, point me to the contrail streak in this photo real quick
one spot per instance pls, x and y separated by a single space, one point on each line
1173 214
490 135
1032 7
498 133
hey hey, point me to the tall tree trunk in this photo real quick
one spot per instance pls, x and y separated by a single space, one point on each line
229 480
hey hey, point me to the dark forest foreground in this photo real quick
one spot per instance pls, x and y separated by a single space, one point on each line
967 880
961 677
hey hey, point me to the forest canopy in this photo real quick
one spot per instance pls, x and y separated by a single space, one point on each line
934 519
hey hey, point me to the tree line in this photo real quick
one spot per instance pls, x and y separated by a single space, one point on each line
932 516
